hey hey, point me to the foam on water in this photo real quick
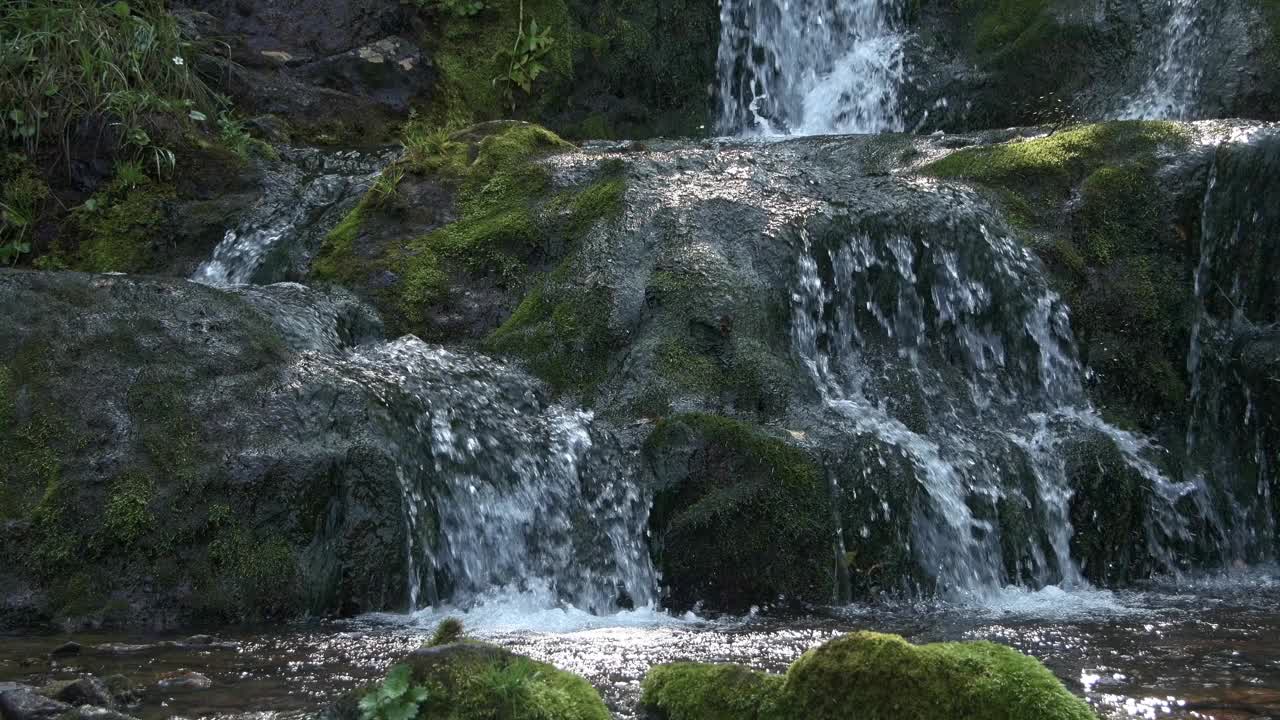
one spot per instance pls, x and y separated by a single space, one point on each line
536 608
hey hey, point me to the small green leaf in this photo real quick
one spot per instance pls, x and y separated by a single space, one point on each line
121 9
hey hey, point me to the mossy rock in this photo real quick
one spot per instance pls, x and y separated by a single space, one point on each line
469 680
872 676
739 518
449 241
1090 201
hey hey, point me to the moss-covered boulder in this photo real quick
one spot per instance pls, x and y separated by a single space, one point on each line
448 240
739 518
1091 202
470 680
873 676
167 465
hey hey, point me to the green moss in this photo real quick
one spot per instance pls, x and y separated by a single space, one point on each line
874 677
745 520
449 630
999 24
119 235
158 404
253 574
127 516
475 681
694 691
337 260
1052 165
714 353
1120 211
506 219
561 331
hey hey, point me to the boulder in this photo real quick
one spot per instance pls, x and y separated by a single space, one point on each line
873 676
471 680
179 406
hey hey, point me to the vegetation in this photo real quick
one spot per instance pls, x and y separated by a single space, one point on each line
397 698
470 680
1124 277
449 630
872 676
21 202
67 62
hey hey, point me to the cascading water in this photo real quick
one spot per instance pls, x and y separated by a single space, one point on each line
1230 445
1171 88
502 489
306 195
960 321
809 67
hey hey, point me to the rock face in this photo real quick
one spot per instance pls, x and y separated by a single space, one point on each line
159 473
834 294
849 365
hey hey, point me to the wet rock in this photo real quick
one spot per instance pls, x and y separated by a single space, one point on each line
123 691
184 680
201 389
66 649
28 704
82 691
739 518
391 71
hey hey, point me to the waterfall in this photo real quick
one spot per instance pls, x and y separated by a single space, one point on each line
1172 87
810 67
502 488
305 196
1230 445
960 323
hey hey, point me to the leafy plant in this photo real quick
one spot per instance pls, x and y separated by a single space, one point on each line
63 62
525 58
129 174
385 187
397 698
20 203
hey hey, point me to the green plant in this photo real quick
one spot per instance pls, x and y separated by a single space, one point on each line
525 58
395 699
448 631
385 187
129 174
20 203
63 62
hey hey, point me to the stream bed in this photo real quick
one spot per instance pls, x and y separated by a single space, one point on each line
1203 648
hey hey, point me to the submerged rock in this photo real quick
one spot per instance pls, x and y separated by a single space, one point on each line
873 676
184 680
